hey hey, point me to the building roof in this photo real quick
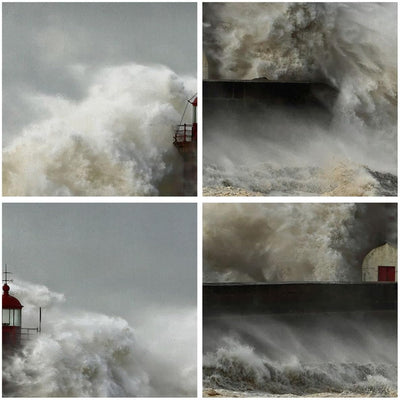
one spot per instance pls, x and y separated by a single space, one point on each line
10 302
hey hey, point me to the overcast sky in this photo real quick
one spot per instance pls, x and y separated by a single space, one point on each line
44 43
117 259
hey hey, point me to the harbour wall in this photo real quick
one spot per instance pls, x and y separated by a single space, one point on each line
281 298
278 93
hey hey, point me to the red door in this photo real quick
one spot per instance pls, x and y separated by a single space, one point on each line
386 274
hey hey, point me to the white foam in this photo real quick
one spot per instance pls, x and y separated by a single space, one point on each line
115 141
352 47
84 354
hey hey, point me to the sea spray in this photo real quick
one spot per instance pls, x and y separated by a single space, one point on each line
352 47
115 141
292 242
301 355
84 354
338 354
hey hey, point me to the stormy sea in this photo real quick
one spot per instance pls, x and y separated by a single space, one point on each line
343 144
116 141
86 354
321 354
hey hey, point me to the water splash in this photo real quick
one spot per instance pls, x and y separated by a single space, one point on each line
292 242
115 141
83 354
328 354
348 46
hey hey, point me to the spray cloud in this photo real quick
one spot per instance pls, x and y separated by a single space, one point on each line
350 46
292 242
116 141
85 354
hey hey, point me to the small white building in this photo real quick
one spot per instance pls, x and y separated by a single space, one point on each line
380 264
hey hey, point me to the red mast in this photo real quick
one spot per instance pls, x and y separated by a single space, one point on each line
185 140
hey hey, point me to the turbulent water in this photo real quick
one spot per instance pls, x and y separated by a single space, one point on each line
303 355
84 354
115 141
292 242
271 149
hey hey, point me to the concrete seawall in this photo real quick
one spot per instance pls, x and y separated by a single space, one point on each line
297 298
287 93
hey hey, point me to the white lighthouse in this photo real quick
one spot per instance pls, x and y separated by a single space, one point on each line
380 264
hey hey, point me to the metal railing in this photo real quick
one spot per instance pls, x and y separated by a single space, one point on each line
28 333
183 134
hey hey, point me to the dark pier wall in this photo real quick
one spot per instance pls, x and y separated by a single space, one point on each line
278 93
297 298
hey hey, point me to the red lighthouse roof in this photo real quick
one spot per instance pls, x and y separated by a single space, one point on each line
10 302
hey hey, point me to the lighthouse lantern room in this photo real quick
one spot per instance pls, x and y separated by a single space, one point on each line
12 317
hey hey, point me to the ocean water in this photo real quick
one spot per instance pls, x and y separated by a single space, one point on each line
116 141
272 149
327 355
334 354
86 354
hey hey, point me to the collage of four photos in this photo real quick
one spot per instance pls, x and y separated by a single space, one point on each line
199 199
